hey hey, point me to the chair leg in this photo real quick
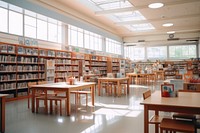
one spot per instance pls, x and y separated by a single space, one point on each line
60 107
51 107
37 105
86 99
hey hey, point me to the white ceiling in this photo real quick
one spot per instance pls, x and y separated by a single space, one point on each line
184 14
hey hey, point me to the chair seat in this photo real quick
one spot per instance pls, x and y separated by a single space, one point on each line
177 125
156 119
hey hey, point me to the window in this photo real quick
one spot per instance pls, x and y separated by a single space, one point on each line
135 53
3 20
82 38
52 32
182 52
15 23
41 29
92 41
113 46
15 20
30 26
157 52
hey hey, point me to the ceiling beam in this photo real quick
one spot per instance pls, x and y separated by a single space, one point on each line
157 19
112 11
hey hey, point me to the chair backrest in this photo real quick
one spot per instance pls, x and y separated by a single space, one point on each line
42 82
31 83
146 94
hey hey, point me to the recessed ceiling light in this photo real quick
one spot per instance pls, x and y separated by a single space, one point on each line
170 32
155 5
168 24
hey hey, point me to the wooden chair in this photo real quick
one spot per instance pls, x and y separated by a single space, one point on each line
29 91
174 125
155 119
50 97
78 94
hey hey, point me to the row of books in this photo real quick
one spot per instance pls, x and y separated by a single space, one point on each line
115 64
75 68
27 51
75 62
7 86
49 53
7 48
27 59
63 68
22 85
63 54
8 68
7 77
7 58
100 68
27 67
99 63
63 61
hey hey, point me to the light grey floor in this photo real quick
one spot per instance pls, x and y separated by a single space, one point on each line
110 115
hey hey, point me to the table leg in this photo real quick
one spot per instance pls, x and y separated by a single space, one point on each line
128 83
33 100
156 125
99 87
146 119
68 103
46 102
118 89
2 111
93 88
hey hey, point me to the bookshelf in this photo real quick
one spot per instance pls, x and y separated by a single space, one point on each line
62 65
18 66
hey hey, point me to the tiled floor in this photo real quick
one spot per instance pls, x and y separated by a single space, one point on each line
110 115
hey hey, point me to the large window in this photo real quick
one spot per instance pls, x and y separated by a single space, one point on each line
157 52
182 52
135 53
75 36
92 41
3 20
17 21
113 46
83 38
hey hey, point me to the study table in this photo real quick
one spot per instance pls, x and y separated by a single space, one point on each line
186 102
2 112
146 76
116 80
63 87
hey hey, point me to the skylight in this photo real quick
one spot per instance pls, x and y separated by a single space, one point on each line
140 27
111 4
121 16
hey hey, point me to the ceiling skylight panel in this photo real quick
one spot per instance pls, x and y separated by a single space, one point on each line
141 27
130 16
115 5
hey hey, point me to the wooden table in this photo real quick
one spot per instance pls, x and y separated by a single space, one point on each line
117 80
136 75
2 112
186 102
62 86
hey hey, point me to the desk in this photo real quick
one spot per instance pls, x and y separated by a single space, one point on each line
117 80
186 102
62 86
136 75
2 112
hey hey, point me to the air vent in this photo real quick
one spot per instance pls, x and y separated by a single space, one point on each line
172 39
141 40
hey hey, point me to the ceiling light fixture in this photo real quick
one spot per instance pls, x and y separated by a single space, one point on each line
168 24
155 5
170 32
